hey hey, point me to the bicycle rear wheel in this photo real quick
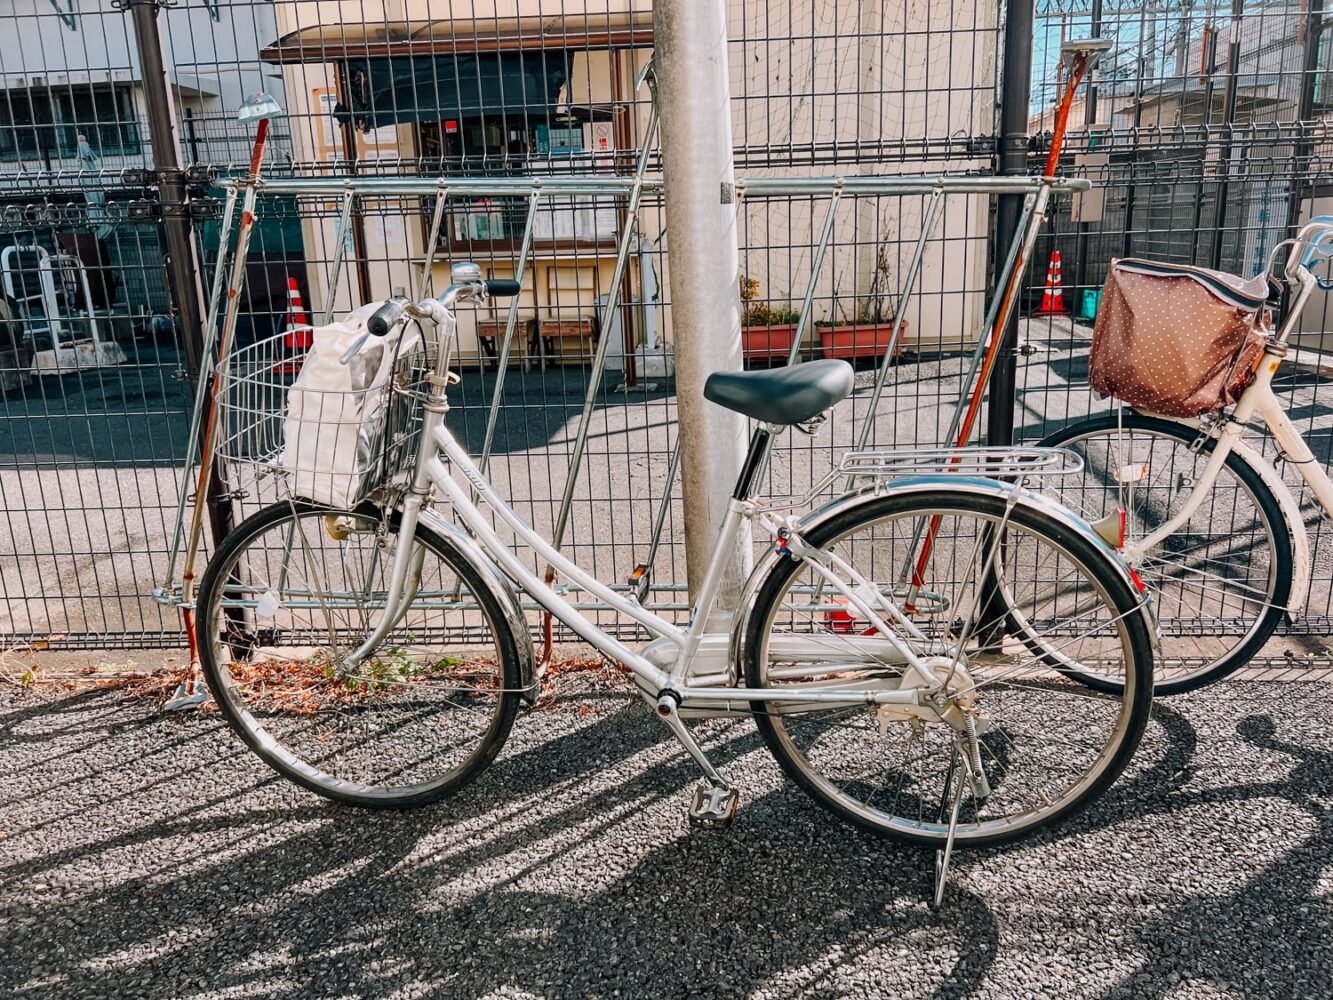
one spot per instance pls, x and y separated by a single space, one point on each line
1220 582
294 590
1046 744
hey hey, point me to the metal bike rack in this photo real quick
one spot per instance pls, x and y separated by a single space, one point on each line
353 192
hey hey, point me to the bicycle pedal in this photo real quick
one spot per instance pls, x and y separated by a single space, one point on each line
713 806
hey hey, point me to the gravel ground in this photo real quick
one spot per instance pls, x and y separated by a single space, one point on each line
153 857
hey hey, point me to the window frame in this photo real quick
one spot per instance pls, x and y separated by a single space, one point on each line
49 121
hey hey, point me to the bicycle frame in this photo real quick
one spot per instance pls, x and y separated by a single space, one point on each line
439 453
1257 400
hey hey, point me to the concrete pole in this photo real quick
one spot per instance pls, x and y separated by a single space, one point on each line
690 54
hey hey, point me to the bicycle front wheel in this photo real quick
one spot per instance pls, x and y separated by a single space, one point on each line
285 602
1220 582
1046 744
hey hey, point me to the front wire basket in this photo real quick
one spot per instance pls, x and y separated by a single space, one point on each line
333 446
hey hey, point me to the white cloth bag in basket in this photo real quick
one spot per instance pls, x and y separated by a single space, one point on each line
336 413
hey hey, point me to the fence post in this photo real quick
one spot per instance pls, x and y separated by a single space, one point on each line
182 268
1089 120
690 52
1305 114
1229 129
1012 159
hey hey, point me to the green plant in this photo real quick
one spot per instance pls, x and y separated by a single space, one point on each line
754 313
766 315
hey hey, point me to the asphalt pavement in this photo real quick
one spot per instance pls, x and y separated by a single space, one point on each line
145 856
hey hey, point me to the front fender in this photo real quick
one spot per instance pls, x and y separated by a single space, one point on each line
976 485
502 590
1287 503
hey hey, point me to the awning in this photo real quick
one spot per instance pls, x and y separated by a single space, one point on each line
420 88
570 32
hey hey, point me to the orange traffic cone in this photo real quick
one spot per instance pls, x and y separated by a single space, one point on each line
299 337
1053 301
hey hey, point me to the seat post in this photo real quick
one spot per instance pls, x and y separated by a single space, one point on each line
760 443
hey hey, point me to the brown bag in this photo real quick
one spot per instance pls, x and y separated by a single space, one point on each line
1175 339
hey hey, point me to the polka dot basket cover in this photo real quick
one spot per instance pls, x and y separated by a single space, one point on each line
1177 340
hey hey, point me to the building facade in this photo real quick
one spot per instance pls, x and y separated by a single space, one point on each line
525 87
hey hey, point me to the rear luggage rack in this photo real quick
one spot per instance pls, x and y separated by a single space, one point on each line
995 462
1014 464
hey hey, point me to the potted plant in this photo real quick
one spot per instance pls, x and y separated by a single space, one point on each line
868 333
767 331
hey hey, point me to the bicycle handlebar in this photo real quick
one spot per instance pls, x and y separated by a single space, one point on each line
467 284
386 317
1314 235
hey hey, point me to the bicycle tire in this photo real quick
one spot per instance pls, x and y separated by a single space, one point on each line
1196 649
1121 716
388 694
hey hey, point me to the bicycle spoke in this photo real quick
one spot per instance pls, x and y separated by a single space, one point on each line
886 766
410 717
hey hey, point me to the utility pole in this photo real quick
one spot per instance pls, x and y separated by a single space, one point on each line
1305 114
181 265
690 53
1015 97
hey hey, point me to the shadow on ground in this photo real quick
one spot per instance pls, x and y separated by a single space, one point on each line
568 870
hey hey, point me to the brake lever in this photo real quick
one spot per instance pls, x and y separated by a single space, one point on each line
1310 263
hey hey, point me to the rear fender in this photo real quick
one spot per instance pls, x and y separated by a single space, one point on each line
975 485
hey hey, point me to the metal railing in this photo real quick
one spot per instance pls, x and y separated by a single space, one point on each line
840 193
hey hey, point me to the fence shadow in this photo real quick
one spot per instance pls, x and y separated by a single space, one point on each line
1273 936
323 898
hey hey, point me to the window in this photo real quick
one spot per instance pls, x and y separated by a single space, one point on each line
25 120
472 145
37 124
104 115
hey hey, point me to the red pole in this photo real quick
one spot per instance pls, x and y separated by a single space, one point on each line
1011 290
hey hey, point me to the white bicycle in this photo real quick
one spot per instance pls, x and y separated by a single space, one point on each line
378 653
1209 524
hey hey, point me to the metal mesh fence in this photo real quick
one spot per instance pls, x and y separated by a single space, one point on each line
1205 136
1193 164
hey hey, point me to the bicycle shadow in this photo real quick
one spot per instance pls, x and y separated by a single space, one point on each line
1274 934
468 898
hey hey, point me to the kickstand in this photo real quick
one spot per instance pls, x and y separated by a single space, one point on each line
943 857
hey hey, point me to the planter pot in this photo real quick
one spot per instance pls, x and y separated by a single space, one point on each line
859 340
767 343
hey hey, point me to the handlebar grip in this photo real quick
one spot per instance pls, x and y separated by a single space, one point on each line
386 317
1317 243
503 288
